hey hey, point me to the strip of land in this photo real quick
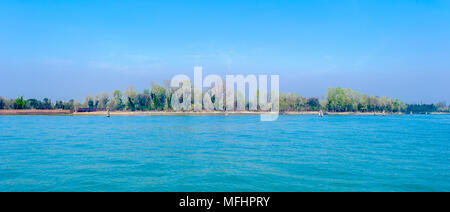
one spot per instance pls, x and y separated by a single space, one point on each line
184 113
35 112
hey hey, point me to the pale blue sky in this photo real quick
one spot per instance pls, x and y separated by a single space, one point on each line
68 49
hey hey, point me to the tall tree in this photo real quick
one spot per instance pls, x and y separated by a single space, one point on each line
103 100
2 103
89 102
20 103
116 102
158 96
130 95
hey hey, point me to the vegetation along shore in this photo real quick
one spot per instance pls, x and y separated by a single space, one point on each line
156 101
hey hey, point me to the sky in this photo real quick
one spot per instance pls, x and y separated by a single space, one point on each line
69 49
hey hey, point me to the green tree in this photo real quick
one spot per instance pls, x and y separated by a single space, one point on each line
47 104
89 102
116 101
143 102
313 104
65 105
158 94
2 103
130 104
102 100
59 105
20 103
338 100
130 95
283 102
34 104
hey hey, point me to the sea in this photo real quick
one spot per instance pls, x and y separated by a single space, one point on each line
219 153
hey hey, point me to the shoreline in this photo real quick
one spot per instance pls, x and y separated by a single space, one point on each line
35 112
189 113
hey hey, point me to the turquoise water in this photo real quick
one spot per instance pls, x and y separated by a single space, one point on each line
215 153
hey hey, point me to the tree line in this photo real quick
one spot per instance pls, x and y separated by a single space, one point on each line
158 98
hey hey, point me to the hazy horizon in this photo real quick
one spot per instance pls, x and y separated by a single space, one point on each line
67 50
